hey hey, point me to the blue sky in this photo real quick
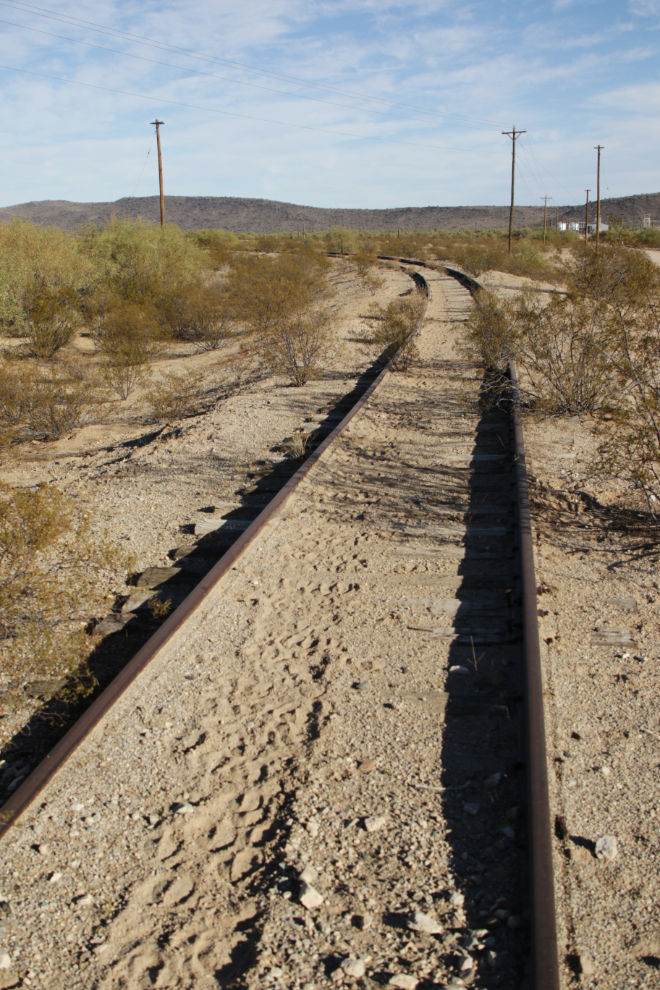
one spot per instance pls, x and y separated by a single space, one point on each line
394 103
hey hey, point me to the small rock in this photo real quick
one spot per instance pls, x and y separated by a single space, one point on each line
363 921
458 669
465 964
491 959
43 849
508 831
355 967
471 809
606 847
587 968
494 780
605 771
403 980
313 828
5 960
308 875
309 896
502 914
85 901
367 766
55 877
457 900
515 921
417 921
184 808
374 823
361 686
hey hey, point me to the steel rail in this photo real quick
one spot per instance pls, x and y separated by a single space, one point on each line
543 924
63 750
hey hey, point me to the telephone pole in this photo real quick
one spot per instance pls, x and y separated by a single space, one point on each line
545 215
598 148
514 135
160 171
586 217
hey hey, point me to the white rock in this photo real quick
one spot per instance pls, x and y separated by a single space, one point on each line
55 877
309 896
85 901
606 847
308 875
313 828
374 823
420 922
457 669
355 967
404 981
43 849
457 900
587 968
185 808
5 960
465 965
471 809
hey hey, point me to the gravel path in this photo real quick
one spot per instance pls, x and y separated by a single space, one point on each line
315 783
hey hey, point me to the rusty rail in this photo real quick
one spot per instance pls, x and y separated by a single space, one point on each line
543 925
41 776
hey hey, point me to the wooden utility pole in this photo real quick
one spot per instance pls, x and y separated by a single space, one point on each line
598 148
586 216
514 135
545 215
557 217
160 171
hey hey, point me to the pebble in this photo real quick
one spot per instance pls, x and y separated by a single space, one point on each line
458 669
5 960
508 831
55 877
308 875
457 900
355 967
417 921
85 901
465 965
515 921
404 981
313 828
502 914
309 896
367 766
587 968
606 847
43 849
494 780
374 823
185 808
471 809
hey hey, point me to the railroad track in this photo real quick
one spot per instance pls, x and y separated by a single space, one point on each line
289 711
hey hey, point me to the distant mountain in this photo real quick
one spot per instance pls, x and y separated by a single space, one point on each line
269 216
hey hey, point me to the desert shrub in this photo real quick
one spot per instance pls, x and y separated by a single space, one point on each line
340 240
51 318
297 346
52 574
393 326
45 403
39 258
490 332
219 245
202 312
127 368
365 263
560 349
174 396
141 261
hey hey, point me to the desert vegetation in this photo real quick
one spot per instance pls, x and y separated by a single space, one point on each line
594 349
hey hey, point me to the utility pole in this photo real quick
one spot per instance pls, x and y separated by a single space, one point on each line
557 216
545 215
598 148
514 135
586 217
160 171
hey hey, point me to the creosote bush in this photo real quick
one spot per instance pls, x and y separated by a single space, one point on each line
45 403
51 573
393 326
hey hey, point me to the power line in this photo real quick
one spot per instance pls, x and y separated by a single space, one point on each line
164 46
245 116
240 82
